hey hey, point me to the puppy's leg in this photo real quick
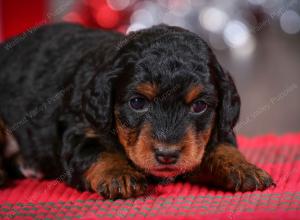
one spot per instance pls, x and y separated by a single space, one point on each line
229 169
100 165
113 177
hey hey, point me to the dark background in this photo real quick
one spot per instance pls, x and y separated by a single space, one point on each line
258 41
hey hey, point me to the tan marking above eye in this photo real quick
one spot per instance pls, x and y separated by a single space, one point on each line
150 90
193 93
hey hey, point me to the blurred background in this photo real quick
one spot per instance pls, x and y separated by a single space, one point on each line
258 41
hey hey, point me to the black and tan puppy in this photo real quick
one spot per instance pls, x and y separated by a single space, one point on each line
108 110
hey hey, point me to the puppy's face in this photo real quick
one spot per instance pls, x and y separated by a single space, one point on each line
168 98
165 108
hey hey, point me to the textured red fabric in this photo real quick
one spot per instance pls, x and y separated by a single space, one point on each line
279 155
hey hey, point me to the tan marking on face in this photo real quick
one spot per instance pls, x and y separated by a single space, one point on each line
193 93
127 136
139 148
193 148
150 90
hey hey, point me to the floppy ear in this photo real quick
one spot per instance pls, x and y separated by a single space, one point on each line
98 100
229 106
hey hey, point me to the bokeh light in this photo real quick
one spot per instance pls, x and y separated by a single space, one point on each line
236 34
118 5
213 19
142 16
290 22
179 7
244 51
106 17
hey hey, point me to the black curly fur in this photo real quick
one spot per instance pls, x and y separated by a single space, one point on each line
64 78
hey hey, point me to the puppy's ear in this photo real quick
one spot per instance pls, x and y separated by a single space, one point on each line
98 100
229 105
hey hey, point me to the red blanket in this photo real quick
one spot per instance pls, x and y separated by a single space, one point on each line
280 156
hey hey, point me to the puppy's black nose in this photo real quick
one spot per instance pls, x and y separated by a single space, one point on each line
166 156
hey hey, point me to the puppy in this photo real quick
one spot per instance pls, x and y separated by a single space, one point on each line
106 111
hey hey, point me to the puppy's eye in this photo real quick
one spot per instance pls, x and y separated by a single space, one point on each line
138 103
198 107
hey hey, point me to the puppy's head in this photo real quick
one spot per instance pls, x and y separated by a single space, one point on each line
168 101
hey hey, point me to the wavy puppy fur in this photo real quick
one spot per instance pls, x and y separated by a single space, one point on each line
109 110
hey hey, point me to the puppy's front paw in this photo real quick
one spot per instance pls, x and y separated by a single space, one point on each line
113 177
246 177
122 183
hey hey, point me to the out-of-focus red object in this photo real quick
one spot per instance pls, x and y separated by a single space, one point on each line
98 13
17 16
